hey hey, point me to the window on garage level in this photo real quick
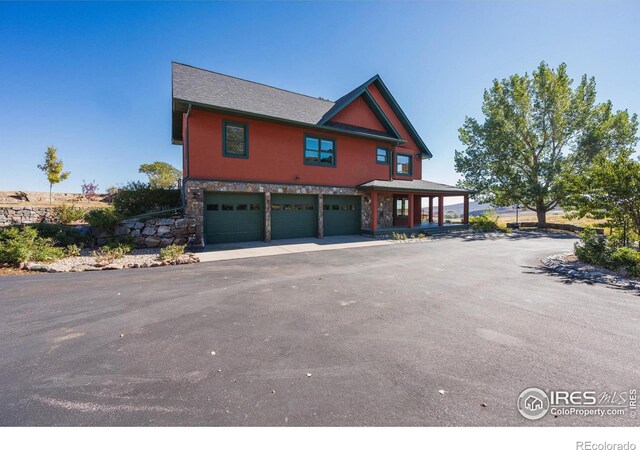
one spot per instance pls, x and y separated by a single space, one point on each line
319 151
235 140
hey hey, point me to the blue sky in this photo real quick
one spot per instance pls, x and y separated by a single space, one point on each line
94 79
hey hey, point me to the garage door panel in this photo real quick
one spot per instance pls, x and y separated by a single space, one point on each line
294 216
341 215
233 217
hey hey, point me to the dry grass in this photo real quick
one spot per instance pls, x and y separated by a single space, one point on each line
41 199
82 205
552 217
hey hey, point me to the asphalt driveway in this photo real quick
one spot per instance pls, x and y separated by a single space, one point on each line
380 330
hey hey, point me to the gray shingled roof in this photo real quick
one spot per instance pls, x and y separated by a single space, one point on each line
413 185
214 89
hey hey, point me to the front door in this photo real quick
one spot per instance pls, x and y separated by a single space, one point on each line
400 210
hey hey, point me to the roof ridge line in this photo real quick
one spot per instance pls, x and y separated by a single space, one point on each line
254 82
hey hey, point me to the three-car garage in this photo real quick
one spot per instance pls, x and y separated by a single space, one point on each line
241 217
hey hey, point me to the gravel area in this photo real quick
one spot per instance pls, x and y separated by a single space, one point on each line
568 265
139 258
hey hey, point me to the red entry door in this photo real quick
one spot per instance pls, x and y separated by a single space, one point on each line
400 210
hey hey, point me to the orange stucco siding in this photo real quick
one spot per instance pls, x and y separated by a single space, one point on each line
359 114
276 154
411 145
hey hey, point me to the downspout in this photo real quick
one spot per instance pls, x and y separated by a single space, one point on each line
392 161
185 175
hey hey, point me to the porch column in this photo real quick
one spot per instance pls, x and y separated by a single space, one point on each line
430 209
440 210
411 217
374 210
417 210
465 214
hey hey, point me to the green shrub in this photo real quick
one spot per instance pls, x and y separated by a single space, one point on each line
592 248
19 245
398 236
110 252
421 235
68 213
485 223
126 243
72 250
62 235
596 249
171 252
45 251
627 259
138 198
105 219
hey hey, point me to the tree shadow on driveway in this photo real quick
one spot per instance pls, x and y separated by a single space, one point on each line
571 280
515 235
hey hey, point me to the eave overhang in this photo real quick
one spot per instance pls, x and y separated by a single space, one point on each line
180 106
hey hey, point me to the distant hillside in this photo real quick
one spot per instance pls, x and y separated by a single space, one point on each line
475 209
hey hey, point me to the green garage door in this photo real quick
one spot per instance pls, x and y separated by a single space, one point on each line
341 215
294 216
233 217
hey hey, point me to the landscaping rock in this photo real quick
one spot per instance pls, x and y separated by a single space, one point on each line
566 264
81 268
149 231
163 229
122 231
87 263
164 242
36 267
151 241
181 223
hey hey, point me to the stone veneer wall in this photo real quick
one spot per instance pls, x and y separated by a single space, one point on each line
195 189
385 210
154 232
17 215
365 211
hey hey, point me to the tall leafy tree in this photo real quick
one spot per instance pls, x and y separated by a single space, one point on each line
607 189
161 175
537 128
53 168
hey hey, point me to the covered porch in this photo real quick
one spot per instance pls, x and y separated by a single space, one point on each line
397 206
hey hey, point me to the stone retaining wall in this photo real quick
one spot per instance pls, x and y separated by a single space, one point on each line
17 215
154 232
148 233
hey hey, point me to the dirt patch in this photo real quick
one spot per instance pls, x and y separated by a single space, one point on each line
15 271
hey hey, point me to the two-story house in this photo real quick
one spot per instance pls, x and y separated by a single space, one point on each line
263 163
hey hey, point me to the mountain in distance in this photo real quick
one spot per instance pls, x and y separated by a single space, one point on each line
476 209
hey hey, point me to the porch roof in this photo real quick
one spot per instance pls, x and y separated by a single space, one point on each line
420 186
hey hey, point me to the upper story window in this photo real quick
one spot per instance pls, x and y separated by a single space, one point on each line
319 151
404 164
235 139
382 155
